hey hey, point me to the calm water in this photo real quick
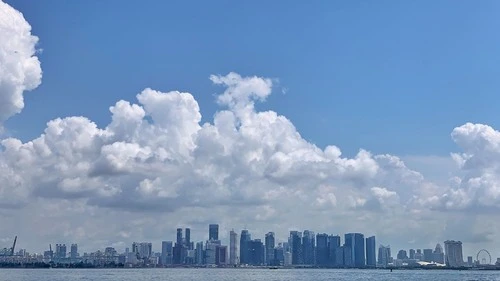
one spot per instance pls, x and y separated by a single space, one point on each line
241 274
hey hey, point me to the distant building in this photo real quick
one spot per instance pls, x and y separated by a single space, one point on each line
333 249
322 249
428 256
356 242
233 248
295 242
199 254
74 252
308 247
245 239
438 254
221 255
60 251
269 244
142 250
188 239
453 253
470 262
213 232
371 255
412 254
256 252
402 255
211 252
384 255
166 257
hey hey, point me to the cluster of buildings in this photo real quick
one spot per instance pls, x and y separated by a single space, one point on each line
301 249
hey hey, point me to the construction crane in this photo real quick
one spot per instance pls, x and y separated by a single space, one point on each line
9 251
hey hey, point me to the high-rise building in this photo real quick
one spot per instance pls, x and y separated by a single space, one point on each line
370 252
256 252
142 250
333 250
74 252
199 254
221 255
166 253
428 255
402 255
412 254
279 255
269 241
322 249
188 238
213 232
308 247
418 255
245 239
60 251
179 236
211 252
356 242
470 261
438 254
384 255
453 253
233 248
295 242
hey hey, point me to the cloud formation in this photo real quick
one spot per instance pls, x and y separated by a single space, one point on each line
19 66
155 161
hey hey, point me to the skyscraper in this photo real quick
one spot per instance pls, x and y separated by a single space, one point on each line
370 252
233 248
179 236
166 253
322 249
333 250
412 254
308 247
356 242
74 251
384 255
245 239
270 248
438 254
213 232
188 238
256 252
221 255
453 253
199 254
428 255
295 242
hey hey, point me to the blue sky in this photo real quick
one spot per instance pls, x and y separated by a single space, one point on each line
388 76
401 79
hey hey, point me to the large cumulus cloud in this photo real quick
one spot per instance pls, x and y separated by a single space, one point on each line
19 66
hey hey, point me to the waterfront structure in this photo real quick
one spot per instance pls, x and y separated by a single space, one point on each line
384 255
142 250
269 244
73 252
213 232
322 249
308 247
370 252
333 250
356 243
295 241
166 253
199 254
233 248
453 253
438 254
427 256
60 251
245 239
220 255
402 255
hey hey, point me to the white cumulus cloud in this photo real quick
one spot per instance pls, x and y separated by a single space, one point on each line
19 66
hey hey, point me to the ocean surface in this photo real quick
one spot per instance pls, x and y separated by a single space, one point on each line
243 274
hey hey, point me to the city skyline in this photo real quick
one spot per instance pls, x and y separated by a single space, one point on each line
302 248
114 131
